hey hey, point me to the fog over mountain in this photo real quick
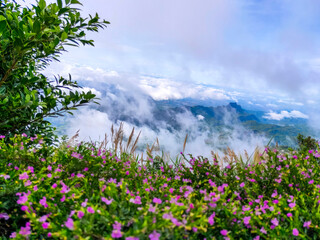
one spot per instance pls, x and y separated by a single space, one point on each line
211 123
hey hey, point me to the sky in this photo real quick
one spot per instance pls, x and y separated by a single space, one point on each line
264 46
262 52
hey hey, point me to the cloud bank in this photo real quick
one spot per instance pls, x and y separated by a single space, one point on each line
285 114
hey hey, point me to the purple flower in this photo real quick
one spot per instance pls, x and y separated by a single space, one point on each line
45 225
292 205
311 181
5 176
25 231
84 204
211 219
224 232
295 232
106 201
275 222
4 215
80 214
136 200
69 224
116 234
13 235
24 208
246 220
116 225
22 199
1 136
263 230
307 224
43 202
289 214
90 210
151 208
23 176
43 218
132 238
154 235
242 184
157 200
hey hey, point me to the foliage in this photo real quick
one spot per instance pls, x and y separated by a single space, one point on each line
85 192
306 143
30 38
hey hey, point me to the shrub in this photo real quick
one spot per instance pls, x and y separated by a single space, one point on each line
30 38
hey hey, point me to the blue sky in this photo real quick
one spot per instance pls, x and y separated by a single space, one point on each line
263 51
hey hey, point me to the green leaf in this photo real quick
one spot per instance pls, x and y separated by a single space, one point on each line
42 4
2 18
76 2
64 36
67 2
59 3
36 26
27 98
3 26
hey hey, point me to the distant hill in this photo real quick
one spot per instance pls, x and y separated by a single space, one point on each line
213 120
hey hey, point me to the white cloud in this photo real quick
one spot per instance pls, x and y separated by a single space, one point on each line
164 89
200 117
285 114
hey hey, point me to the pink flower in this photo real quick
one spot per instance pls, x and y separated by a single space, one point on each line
157 200
151 208
136 200
154 235
307 224
45 225
311 181
64 189
116 233
80 214
275 222
43 202
63 198
13 235
23 176
4 215
43 218
295 232
246 220
69 224
35 188
90 210
84 204
24 208
242 184
132 238
263 230
106 201
289 214
54 185
22 199
25 231
292 205
224 232
211 219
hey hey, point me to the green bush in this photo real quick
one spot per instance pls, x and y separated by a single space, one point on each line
83 192
30 38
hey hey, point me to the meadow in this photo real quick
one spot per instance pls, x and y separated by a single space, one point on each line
86 191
